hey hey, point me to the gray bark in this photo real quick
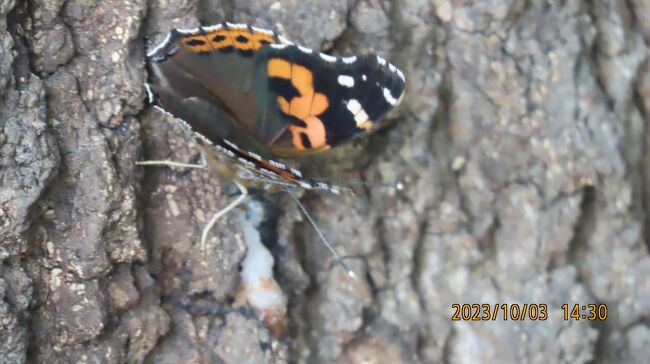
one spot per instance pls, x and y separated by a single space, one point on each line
521 142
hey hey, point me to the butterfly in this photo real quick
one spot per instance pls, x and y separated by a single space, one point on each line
249 97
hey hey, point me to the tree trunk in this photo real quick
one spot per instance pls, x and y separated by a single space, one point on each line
521 144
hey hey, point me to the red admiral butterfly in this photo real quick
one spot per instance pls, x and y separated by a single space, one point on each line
282 100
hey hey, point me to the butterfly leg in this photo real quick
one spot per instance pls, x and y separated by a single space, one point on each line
243 193
168 163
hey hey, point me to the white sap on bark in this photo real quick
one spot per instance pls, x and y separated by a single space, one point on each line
258 287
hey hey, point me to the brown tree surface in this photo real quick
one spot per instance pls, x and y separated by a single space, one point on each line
521 142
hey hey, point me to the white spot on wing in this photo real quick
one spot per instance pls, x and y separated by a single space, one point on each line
268 172
278 46
260 30
295 172
328 58
389 97
245 162
212 28
255 155
305 50
160 46
345 80
401 75
277 164
284 40
305 185
187 30
381 61
360 118
150 96
349 60
161 109
231 144
354 106
201 136
364 77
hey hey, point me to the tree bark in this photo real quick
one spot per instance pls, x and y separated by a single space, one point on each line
521 144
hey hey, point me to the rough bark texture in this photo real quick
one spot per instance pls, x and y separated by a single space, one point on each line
522 144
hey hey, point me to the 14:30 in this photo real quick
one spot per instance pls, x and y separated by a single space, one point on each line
591 312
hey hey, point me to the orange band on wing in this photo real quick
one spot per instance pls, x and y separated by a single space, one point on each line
306 107
241 39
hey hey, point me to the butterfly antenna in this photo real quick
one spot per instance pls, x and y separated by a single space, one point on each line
329 246
394 186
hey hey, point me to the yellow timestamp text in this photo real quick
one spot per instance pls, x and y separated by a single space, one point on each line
499 311
590 312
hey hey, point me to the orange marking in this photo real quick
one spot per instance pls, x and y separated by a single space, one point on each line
197 43
319 104
306 107
257 39
365 125
242 44
219 39
315 131
284 105
279 68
